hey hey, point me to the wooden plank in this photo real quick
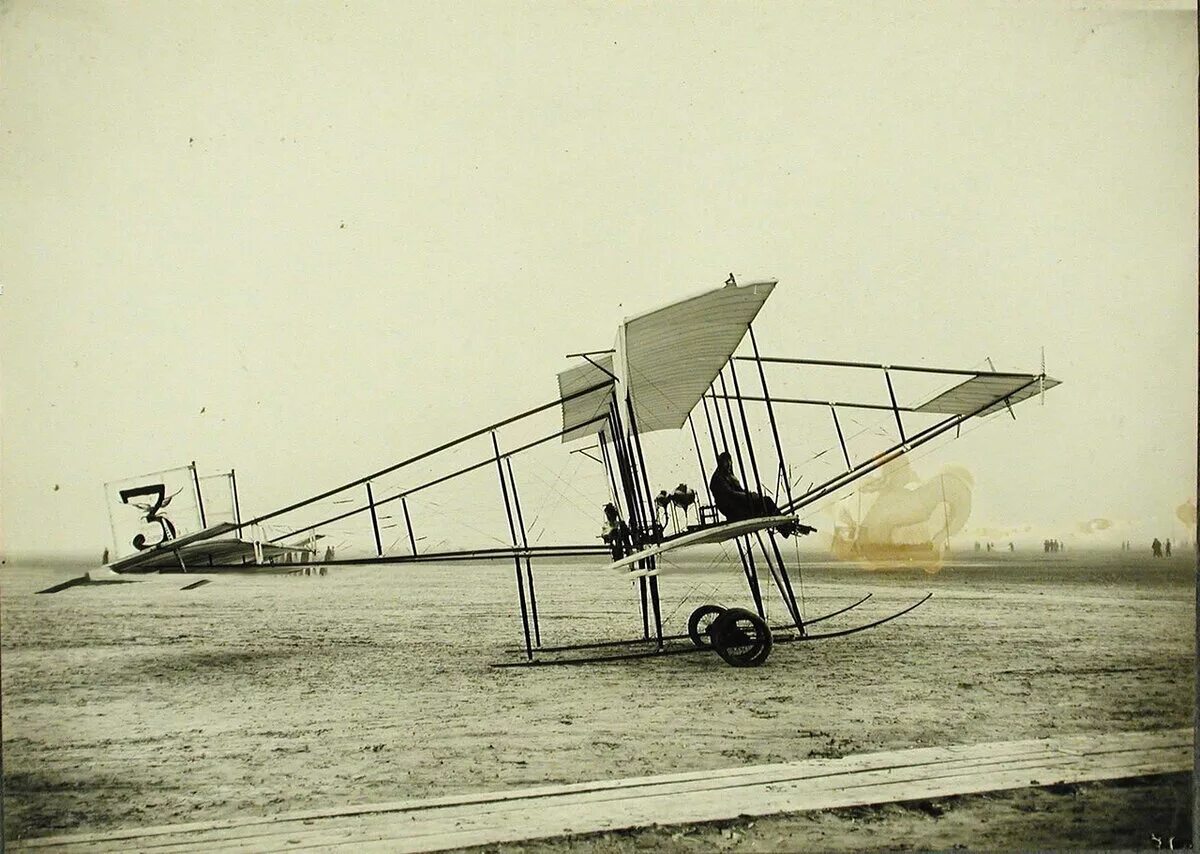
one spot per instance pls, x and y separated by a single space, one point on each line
503 812
487 818
688 781
574 804
524 823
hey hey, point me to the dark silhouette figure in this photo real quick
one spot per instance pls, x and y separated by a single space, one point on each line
1167 548
615 532
663 501
1156 548
736 503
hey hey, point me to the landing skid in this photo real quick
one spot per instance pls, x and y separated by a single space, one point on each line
677 648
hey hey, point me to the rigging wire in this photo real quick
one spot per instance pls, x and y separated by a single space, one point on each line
439 510
555 491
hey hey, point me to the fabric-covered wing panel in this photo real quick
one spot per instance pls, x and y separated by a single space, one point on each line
578 412
988 391
673 354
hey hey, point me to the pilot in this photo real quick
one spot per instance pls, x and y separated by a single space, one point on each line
735 503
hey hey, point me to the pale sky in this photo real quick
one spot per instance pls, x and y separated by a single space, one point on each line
349 231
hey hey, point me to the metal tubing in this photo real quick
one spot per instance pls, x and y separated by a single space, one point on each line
785 584
512 481
629 482
895 409
892 453
199 495
841 437
434 482
805 401
641 460
608 469
431 452
762 378
657 609
774 575
737 448
237 507
516 560
374 521
412 541
481 554
645 610
918 369
751 573
604 370
745 428
624 467
717 413
700 459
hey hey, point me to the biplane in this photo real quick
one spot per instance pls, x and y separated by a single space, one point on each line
675 382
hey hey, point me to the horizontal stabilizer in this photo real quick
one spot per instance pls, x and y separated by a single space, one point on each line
987 393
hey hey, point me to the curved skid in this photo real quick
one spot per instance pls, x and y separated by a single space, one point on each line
674 637
861 628
679 650
839 611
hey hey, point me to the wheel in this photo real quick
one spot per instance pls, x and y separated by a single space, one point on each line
741 637
700 623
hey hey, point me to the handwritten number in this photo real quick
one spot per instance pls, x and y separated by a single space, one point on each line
159 491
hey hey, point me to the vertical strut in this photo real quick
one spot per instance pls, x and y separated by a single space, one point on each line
512 481
751 573
653 533
895 409
657 608
700 459
841 437
608 469
629 482
720 425
762 378
745 427
237 508
199 495
641 460
412 541
732 430
374 521
746 555
516 558
645 610
783 581
628 479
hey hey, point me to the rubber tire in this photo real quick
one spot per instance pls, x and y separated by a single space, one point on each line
698 629
761 642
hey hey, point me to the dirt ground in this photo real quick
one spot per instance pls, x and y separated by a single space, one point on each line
144 704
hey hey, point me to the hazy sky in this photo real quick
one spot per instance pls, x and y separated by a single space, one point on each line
306 240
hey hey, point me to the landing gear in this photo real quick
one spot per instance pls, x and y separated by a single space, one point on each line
740 637
700 624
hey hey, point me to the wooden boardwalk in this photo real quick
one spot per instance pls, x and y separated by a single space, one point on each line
873 778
